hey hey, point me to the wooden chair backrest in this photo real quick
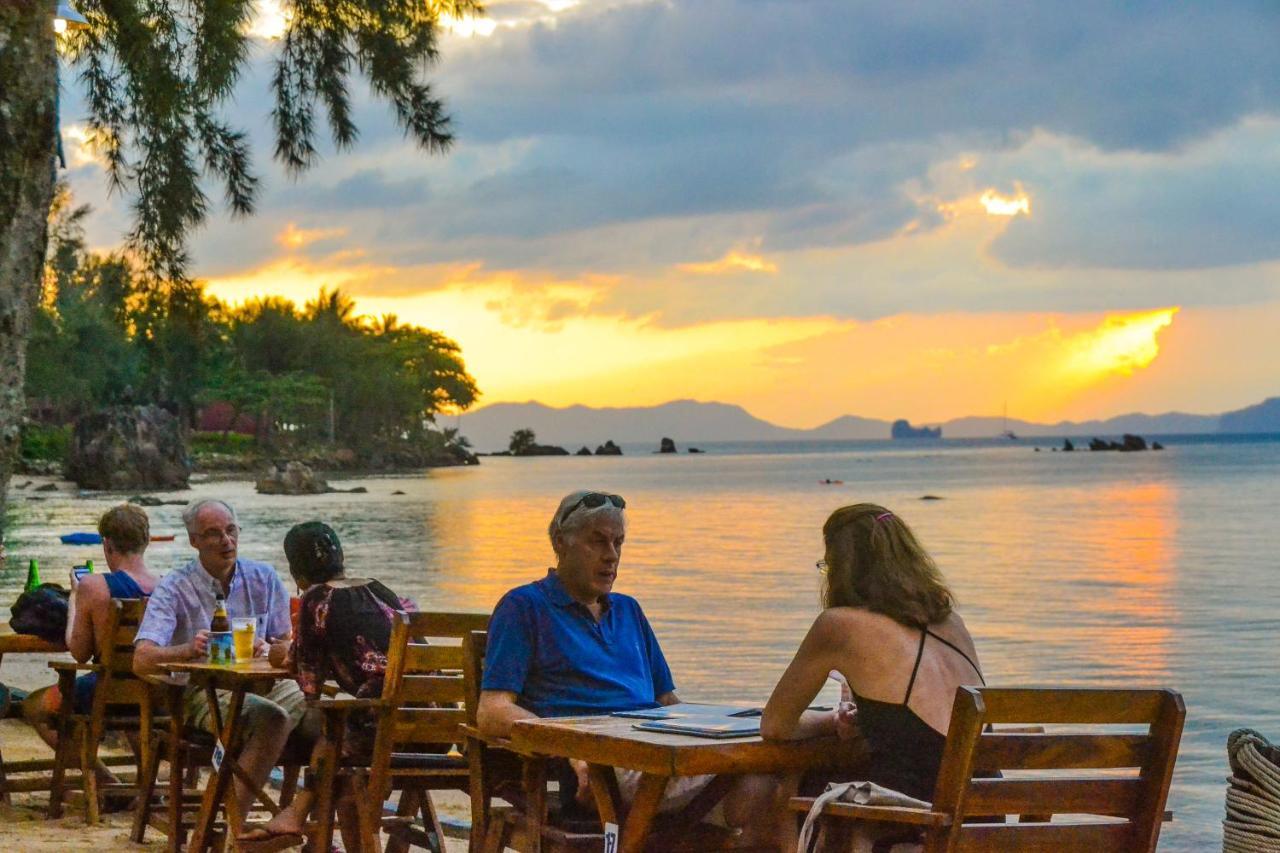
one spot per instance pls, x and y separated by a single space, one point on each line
117 685
474 646
423 691
1121 776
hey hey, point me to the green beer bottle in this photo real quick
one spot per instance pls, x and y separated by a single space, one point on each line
33 576
88 564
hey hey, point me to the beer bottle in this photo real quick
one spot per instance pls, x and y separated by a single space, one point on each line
33 576
88 564
220 621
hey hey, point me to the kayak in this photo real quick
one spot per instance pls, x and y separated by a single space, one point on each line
95 539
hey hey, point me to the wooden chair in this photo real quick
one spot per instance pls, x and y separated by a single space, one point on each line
1111 786
121 703
418 721
496 769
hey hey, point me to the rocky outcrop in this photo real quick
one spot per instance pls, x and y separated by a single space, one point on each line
128 447
291 478
667 446
1067 446
541 450
1129 443
608 449
583 451
902 428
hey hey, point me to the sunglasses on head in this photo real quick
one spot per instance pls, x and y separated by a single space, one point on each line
593 500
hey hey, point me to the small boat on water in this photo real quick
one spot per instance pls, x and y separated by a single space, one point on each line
95 539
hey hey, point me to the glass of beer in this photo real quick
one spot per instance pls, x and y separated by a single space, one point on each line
243 631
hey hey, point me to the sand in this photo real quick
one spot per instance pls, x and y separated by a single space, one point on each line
23 826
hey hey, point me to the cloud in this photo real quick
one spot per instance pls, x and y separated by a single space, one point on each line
731 262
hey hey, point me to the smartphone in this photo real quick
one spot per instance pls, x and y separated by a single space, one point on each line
80 572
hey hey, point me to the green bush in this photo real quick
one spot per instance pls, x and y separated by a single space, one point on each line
45 442
216 442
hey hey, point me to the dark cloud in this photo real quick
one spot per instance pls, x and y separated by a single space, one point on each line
631 137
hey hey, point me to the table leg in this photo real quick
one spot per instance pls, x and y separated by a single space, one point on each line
644 808
604 786
535 795
216 790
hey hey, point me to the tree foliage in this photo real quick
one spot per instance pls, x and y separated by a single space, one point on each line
521 441
157 72
109 333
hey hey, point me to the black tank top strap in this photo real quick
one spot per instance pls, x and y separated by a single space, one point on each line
958 651
915 669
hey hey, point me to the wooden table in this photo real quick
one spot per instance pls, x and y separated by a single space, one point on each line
240 679
24 644
609 742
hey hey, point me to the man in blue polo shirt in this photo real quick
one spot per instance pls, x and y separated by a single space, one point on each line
568 644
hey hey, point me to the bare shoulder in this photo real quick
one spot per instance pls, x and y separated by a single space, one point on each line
92 588
853 621
954 630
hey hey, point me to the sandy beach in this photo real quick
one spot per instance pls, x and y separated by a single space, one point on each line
23 825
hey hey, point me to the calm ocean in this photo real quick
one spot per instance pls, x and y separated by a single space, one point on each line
1071 569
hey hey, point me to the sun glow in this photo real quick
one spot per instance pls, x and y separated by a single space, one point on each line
998 205
1121 345
270 20
732 262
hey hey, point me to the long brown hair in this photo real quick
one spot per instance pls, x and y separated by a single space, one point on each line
874 561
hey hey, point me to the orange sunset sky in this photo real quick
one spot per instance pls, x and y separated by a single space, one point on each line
809 209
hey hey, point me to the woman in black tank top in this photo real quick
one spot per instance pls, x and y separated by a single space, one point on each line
875 571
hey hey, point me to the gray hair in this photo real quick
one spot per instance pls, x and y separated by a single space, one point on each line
582 516
193 509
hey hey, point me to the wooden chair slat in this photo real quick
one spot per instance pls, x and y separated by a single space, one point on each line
431 688
1079 707
428 658
1098 796
1001 751
1056 837
120 692
456 625
428 725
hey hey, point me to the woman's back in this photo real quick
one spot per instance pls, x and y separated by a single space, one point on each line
903 681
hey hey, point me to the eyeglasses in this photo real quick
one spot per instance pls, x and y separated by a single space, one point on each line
593 500
822 566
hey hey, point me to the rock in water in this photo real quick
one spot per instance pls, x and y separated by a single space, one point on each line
667 446
608 449
583 451
1067 446
128 447
291 478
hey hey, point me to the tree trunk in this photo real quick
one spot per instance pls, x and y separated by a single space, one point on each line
28 124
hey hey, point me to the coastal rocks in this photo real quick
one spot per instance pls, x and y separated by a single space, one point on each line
1067 446
128 447
1129 443
609 449
290 478
694 450
902 428
541 450
147 500
667 446
583 451
1155 445
930 498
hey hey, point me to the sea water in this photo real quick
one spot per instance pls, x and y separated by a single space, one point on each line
1071 569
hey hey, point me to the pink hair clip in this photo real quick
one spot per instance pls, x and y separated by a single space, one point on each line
882 516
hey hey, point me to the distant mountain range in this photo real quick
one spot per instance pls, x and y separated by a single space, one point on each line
689 421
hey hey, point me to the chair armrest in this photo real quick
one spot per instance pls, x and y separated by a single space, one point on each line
474 733
885 814
73 667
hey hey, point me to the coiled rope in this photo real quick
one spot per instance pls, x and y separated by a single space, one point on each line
1252 822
